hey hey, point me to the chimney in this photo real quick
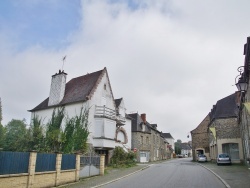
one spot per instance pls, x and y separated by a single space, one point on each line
57 88
143 117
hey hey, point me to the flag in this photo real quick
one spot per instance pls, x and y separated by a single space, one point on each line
212 129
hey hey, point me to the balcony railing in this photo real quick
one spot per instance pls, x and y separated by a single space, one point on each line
103 111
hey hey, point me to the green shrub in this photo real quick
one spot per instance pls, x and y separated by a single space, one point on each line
121 158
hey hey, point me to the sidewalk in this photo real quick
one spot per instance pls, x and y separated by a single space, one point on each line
233 176
110 175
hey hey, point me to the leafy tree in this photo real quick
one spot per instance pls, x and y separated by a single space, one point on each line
36 135
15 138
2 136
54 137
178 146
76 133
81 131
68 144
1 114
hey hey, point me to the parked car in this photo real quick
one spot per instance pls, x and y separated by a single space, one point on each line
202 158
223 158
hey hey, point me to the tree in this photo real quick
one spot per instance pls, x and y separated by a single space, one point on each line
1 113
36 135
177 146
76 133
54 137
15 138
2 136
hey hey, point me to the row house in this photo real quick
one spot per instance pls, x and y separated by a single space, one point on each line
109 125
170 144
244 106
219 132
224 130
147 141
230 134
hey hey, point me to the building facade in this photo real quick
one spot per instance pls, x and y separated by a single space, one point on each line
92 92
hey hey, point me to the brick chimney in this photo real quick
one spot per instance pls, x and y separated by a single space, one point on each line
57 88
143 117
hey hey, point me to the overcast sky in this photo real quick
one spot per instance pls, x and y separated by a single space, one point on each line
170 59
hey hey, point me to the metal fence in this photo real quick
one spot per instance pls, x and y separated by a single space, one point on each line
14 162
45 162
68 161
90 165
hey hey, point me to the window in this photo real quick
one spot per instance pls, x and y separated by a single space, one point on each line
105 87
147 140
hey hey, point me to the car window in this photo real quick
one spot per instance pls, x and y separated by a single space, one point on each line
223 155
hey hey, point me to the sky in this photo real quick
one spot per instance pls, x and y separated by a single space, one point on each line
170 59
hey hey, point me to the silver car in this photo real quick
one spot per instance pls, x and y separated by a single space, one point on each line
202 158
223 158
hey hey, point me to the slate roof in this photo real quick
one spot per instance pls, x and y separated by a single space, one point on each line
226 107
167 135
76 90
185 146
137 122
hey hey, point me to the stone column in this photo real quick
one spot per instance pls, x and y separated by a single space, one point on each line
78 159
102 164
32 168
58 168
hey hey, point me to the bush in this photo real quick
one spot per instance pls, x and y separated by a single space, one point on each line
121 158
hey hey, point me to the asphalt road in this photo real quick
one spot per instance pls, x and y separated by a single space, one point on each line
180 173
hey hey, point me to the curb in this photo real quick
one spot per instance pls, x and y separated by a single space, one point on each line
220 178
121 177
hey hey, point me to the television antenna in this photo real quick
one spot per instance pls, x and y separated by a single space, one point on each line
63 60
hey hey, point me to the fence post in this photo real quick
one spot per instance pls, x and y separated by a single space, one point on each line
32 168
102 164
77 166
58 167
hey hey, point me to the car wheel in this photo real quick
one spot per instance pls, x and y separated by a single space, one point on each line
218 164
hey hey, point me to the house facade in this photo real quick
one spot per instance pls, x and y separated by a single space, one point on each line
200 139
170 144
186 149
92 92
224 130
147 141
244 106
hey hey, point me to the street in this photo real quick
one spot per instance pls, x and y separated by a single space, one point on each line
172 174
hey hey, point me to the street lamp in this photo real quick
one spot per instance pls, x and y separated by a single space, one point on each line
242 83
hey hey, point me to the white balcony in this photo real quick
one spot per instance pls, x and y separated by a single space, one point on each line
103 111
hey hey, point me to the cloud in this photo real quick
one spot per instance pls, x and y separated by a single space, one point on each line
169 59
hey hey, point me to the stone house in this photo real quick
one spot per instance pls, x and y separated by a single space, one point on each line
147 141
186 149
200 139
108 123
244 106
170 144
224 130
